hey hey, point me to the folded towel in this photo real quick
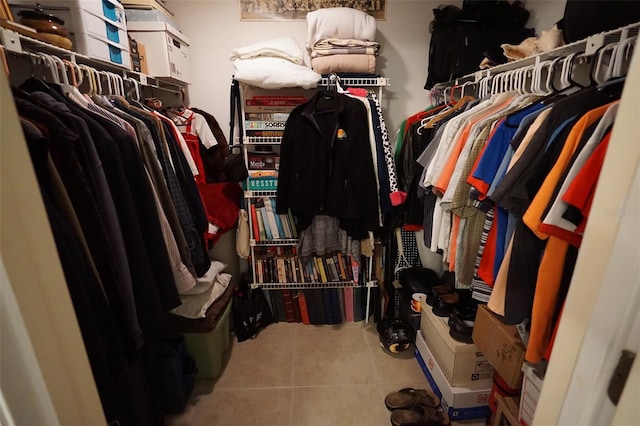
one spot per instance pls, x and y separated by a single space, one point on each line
339 46
280 47
339 22
344 63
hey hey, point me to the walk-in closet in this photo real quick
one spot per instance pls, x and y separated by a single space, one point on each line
311 213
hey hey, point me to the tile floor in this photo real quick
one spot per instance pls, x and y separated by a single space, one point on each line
304 375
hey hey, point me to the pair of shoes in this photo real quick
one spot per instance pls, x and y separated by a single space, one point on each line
437 291
420 415
408 397
445 304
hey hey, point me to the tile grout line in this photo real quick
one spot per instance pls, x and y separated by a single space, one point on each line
375 368
293 358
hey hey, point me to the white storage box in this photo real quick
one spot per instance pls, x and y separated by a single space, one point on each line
167 49
105 50
531 387
148 15
460 403
97 27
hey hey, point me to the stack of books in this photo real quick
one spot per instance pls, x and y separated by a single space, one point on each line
266 115
263 170
290 268
268 225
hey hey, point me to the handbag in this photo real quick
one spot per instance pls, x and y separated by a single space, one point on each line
242 235
234 166
251 312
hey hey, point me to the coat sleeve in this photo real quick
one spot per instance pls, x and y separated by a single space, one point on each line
285 171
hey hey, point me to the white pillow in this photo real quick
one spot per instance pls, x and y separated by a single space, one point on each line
280 47
196 306
205 282
274 73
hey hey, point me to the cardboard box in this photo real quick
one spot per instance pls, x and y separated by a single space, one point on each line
167 49
142 52
507 414
501 344
531 387
460 403
463 364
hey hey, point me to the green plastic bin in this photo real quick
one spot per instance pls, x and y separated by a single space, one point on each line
209 349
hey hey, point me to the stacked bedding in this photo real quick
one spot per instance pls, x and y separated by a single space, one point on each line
273 64
342 40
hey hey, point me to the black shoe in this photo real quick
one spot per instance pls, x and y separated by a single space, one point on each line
445 304
461 330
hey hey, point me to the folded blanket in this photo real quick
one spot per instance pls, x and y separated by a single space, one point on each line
280 47
274 73
330 43
339 22
344 63
339 46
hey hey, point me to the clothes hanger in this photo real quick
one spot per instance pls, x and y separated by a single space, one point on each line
599 69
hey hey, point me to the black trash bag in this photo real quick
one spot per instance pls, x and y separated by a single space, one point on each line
251 312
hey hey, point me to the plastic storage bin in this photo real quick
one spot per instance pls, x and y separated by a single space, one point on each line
209 349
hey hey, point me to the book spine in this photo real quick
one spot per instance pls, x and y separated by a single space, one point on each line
335 305
261 231
270 109
274 305
264 125
303 271
292 222
282 315
348 303
288 305
265 223
273 102
295 295
317 294
254 223
271 218
343 271
273 270
282 275
321 271
266 116
259 270
340 293
264 133
328 307
284 219
304 310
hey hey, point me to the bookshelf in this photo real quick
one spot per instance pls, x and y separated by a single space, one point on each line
264 113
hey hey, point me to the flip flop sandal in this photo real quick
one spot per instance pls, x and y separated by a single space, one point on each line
418 415
408 397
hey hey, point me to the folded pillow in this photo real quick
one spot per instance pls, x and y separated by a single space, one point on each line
195 306
274 73
205 282
280 47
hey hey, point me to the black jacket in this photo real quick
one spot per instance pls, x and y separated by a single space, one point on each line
326 166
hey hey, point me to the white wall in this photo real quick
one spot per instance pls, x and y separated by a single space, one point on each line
215 29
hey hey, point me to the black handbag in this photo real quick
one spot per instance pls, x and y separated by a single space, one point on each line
234 167
251 312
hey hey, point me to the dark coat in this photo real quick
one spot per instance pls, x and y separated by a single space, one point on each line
326 166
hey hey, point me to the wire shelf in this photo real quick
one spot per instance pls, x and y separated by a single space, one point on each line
256 194
254 140
280 242
359 81
302 286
